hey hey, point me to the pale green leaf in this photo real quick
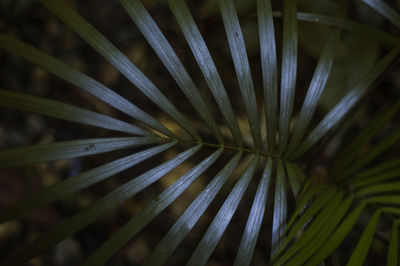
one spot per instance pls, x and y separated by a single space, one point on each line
379 188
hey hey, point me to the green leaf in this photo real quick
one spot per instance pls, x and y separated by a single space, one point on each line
214 233
289 71
309 235
379 188
393 245
244 254
318 83
78 183
242 67
68 149
192 214
296 178
347 155
155 207
360 252
385 10
340 111
320 237
386 199
163 49
326 200
206 64
378 149
65 112
117 59
338 236
269 68
100 207
79 79
280 209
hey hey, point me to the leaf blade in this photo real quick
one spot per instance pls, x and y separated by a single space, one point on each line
242 67
65 112
163 49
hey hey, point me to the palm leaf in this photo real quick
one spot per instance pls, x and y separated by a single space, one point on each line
306 215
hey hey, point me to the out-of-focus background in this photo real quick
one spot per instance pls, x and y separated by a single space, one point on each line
29 21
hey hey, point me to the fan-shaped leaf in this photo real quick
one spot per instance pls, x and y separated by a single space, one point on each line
192 214
79 79
214 233
337 237
78 182
117 59
206 64
100 207
155 207
170 60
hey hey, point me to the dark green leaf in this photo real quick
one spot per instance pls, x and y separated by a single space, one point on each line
163 49
65 112
242 67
